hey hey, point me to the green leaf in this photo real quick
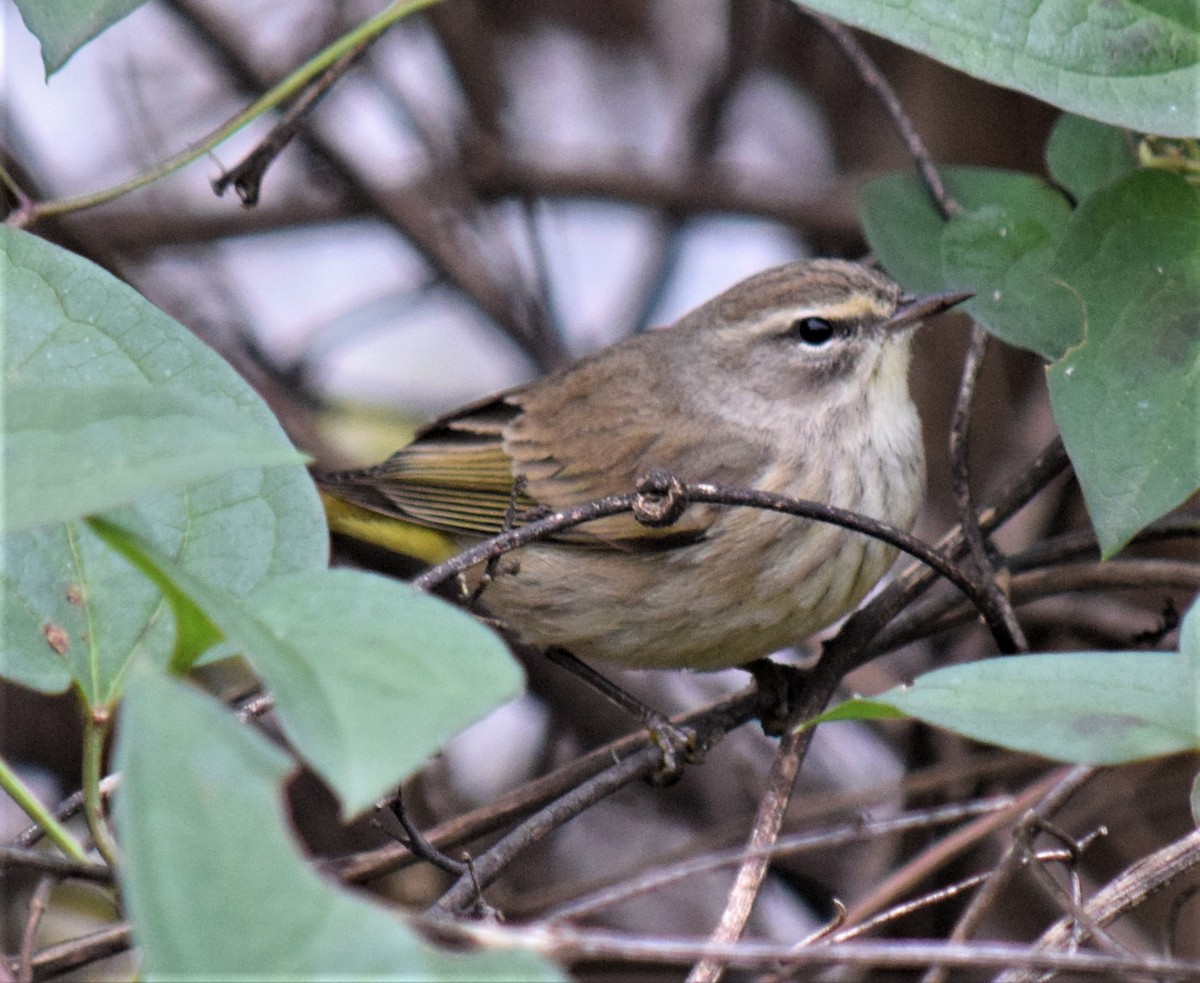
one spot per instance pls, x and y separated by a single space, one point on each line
73 609
213 884
69 452
1131 63
1087 707
352 660
65 26
1083 155
1127 399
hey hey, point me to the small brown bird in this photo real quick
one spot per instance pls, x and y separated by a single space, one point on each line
794 381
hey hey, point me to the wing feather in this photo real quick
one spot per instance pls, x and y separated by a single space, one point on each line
585 432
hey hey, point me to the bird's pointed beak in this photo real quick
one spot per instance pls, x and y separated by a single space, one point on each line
911 309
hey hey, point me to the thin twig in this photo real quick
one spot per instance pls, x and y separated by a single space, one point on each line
281 92
942 614
717 718
939 854
1126 891
1100 628
96 727
16 789
986 768
414 212
542 294
767 822
67 809
1082 544
22 201
470 49
930 898
786 846
572 945
1027 583
864 637
539 173
421 846
639 764
1115 575
246 177
1068 901
960 471
932 557
488 865
997 603
37 908
753 869
860 639
450 182
875 80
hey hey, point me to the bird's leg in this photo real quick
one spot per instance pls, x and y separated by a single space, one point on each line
779 687
679 745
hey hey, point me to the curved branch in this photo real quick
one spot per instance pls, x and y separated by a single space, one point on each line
716 494
875 80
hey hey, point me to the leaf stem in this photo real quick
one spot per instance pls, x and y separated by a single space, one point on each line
95 729
280 93
23 796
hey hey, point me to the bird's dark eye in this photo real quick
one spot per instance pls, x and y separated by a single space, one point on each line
812 330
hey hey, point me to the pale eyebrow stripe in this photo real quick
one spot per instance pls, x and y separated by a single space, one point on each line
857 306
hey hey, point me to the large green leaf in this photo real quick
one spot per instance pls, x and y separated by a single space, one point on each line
370 676
1088 707
1127 398
73 609
65 26
1131 63
213 884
